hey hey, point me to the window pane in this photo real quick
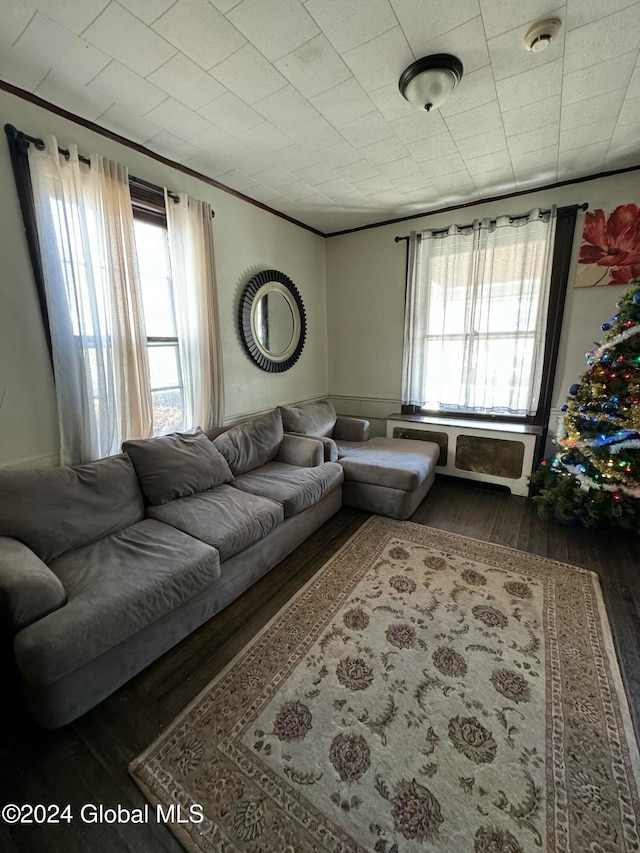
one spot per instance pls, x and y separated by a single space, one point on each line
163 365
155 276
167 411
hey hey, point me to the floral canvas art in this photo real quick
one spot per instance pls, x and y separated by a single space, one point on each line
610 250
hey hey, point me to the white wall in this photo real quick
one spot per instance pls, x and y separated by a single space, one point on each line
365 294
247 240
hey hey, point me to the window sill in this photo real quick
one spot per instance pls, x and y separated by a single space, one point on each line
471 423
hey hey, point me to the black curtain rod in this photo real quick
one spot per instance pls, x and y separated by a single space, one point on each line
583 206
19 135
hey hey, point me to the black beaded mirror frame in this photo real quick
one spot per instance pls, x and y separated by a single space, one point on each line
255 352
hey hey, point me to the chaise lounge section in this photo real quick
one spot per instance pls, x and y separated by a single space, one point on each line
387 476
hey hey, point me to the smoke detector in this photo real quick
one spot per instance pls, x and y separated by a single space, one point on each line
539 36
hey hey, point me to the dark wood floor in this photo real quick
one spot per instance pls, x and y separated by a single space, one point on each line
86 762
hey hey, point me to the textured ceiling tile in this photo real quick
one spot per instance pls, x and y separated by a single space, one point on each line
276 177
460 181
147 10
488 163
626 135
391 104
295 157
594 42
435 146
467 42
348 25
591 110
267 195
121 120
231 114
381 61
221 144
175 117
509 56
340 154
75 15
123 86
236 180
345 102
634 83
426 19
589 134
532 140
581 161
386 151
419 125
21 69
15 18
264 138
499 16
225 6
65 52
248 74
530 86
314 67
317 174
473 90
472 122
360 171
366 130
598 80
630 112
532 116
296 190
408 167
315 134
543 158
245 159
286 108
185 81
498 181
207 164
121 35
172 147
200 32
580 12
443 165
60 89
482 143
255 19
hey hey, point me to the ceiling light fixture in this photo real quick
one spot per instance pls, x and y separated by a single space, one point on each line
539 36
428 82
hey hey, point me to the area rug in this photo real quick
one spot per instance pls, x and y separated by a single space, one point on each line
424 691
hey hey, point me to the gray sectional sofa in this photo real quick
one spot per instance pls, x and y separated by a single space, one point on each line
105 566
387 476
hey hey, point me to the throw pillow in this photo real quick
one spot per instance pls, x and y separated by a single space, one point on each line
177 465
252 444
317 418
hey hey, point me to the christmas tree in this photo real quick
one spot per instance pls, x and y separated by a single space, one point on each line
595 477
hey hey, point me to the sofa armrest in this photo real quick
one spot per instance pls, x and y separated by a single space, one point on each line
351 429
29 589
300 450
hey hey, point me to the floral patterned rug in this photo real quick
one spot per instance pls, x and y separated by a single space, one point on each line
424 691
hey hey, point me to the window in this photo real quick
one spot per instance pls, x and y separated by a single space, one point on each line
477 337
160 321
128 298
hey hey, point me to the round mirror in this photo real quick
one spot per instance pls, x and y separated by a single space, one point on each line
272 321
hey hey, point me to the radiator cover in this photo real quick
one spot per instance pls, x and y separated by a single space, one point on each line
475 450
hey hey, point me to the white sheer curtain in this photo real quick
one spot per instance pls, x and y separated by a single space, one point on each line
85 227
197 318
475 320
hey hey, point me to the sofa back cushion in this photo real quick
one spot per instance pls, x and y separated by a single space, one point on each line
251 444
55 510
317 418
177 465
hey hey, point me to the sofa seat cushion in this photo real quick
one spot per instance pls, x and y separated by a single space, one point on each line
224 517
115 587
295 488
397 463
